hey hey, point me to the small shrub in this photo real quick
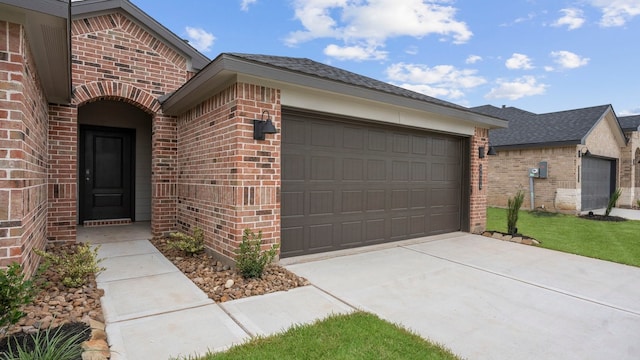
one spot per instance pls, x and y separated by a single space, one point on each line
49 344
250 259
74 267
612 201
15 291
513 207
187 243
638 203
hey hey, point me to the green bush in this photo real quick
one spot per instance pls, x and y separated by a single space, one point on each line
187 243
15 291
513 207
612 201
74 266
50 344
250 259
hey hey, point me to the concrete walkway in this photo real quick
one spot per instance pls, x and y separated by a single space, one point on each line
482 298
152 311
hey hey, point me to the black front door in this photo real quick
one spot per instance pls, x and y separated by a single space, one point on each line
106 173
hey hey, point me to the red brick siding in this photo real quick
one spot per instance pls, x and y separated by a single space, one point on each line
478 200
227 180
23 146
115 59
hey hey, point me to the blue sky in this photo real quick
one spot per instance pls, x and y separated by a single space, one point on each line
538 55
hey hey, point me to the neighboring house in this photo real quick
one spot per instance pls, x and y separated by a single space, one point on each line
586 152
630 171
109 118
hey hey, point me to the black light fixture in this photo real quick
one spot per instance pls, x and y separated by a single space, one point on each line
481 152
492 151
584 152
262 127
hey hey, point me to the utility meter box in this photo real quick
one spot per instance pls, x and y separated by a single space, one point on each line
542 170
534 172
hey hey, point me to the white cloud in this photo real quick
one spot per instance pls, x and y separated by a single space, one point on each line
412 50
357 53
568 60
573 18
472 59
200 39
244 4
518 62
516 89
374 21
438 81
617 12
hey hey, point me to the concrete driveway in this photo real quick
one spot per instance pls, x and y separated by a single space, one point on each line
488 299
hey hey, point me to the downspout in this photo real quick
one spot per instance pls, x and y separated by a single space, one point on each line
69 53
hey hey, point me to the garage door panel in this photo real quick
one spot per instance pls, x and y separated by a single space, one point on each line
352 201
377 140
351 233
399 227
295 135
321 237
374 184
321 203
322 168
375 200
295 241
400 170
292 203
399 199
353 169
353 138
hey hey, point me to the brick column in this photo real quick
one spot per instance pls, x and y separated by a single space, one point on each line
164 175
478 200
63 172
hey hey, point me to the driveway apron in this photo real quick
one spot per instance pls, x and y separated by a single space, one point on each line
488 299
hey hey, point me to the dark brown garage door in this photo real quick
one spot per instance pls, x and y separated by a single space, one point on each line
346 184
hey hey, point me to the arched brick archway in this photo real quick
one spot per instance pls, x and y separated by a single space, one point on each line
111 90
63 157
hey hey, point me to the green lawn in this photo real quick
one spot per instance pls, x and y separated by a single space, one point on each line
355 336
613 241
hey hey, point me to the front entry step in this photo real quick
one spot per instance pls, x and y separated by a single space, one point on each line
106 222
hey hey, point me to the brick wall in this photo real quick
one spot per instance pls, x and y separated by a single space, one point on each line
23 146
115 59
478 200
227 180
509 171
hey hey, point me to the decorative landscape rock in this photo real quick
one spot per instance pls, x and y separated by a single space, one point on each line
221 283
518 238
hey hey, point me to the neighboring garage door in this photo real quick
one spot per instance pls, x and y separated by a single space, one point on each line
598 182
348 184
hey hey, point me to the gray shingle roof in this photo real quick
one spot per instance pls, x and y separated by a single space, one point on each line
629 123
314 68
528 129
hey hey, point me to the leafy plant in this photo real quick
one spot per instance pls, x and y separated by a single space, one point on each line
75 266
15 291
612 201
50 344
638 203
513 207
187 243
250 259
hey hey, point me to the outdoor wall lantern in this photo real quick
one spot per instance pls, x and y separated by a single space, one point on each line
584 152
262 127
490 152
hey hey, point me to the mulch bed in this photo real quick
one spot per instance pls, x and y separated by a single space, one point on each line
596 217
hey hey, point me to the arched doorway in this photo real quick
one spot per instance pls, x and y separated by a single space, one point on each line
114 162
